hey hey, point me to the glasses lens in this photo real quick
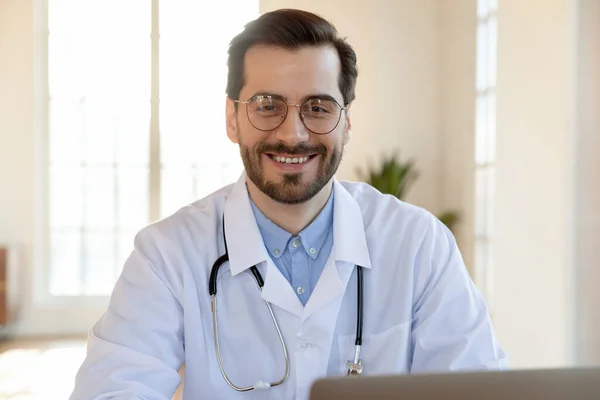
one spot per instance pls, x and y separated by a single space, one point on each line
266 112
321 115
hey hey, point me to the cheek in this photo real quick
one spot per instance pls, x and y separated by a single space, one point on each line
335 140
247 135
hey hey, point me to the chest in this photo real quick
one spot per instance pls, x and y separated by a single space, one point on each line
319 338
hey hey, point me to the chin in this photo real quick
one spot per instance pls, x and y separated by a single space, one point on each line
288 193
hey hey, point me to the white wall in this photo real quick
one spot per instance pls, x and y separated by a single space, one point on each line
534 261
457 25
397 107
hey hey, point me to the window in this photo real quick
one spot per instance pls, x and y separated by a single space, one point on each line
117 158
485 137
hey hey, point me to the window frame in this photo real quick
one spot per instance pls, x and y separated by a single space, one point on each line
42 264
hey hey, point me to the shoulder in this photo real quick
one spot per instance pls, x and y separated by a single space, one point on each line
402 231
185 228
408 235
385 211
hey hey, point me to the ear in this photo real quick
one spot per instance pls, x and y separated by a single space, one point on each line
231 120
348 129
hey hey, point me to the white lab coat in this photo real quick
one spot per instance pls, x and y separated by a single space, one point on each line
421 311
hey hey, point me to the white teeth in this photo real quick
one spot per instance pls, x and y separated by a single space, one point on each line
289 160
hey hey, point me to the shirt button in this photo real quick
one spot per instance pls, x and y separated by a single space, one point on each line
312 251
296 243
303 345
276 251
300 290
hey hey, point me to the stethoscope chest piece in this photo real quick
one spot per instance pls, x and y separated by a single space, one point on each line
354 368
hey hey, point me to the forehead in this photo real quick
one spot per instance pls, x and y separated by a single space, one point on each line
292 73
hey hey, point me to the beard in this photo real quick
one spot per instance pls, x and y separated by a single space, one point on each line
291 189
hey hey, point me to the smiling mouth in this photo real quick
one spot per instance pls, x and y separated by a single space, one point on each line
291 160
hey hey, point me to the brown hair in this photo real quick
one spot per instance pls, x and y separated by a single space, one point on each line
290 29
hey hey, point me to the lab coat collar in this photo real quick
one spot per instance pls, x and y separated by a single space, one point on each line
349 240
245 244
244 241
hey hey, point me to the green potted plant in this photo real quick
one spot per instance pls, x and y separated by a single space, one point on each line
395 177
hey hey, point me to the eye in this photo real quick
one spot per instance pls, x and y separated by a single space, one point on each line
317 108
320 108
266 107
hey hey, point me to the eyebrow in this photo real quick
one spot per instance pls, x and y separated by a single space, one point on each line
323 96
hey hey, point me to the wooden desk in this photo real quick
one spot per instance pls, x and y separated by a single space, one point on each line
9 285
4 314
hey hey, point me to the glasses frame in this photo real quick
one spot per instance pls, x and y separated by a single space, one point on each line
246 102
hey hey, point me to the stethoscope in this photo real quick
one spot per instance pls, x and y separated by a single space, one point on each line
353 367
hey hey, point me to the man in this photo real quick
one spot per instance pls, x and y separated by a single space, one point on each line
290 86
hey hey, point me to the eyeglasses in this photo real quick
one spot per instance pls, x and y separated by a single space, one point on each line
319 115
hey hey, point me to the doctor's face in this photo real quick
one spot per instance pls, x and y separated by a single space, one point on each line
290 152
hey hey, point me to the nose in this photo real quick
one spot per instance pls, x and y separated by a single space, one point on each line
292 131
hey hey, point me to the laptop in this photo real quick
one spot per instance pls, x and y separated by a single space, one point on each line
541 384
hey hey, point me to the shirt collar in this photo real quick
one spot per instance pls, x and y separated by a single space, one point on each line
247 248
274 236
312 237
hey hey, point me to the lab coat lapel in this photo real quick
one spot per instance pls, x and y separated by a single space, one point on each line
349 249
278 291
244 241
246 248
330 286
349 240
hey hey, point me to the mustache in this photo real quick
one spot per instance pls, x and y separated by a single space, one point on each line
301 149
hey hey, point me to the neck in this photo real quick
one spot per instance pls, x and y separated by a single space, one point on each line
291 217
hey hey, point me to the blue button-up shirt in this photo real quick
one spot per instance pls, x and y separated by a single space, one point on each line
300 258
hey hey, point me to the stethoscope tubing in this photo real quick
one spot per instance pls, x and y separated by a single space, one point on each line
212 289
